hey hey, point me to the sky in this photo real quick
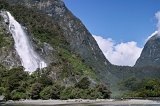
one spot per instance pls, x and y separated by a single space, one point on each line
120 27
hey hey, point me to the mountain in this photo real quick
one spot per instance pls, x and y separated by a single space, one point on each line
58 43
46 39
150 55
57 36
146 67
75 33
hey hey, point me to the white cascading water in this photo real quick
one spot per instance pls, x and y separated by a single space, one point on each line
29 58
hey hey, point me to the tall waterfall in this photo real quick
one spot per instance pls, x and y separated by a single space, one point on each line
29 58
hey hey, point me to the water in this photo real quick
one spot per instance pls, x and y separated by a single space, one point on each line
29 58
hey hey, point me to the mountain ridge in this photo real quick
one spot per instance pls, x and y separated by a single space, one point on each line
71 53
150 53
72 28
67 46
66 35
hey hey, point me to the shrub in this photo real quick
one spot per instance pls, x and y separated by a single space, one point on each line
66 93
35 90
2 89
84 83
18 95
104 90
51 92
46 93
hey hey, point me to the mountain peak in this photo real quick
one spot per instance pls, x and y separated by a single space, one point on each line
154 34
150 55
49 21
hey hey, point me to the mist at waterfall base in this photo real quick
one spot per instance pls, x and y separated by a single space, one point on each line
30 60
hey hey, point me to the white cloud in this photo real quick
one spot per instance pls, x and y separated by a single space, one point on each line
157 15
154 33
158 18
124 54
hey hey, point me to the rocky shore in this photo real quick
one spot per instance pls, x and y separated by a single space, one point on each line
82 101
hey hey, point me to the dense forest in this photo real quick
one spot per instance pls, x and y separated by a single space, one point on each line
144 88
17 84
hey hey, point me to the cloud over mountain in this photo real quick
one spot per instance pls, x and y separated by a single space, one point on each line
157 15
158 18
124 54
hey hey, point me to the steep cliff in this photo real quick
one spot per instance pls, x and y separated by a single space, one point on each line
59 38
8 55
150 55
75 33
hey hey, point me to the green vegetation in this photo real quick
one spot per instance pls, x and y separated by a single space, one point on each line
85 92
4 39
74 63
40 27
43 28
16 84
83 84
141 88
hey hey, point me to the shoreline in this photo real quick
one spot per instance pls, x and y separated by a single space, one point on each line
56 102
81 101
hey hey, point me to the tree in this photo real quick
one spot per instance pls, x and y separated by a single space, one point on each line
51 92
45 80
15 77
2 89
35 90
15 95
66 93
104 90
46 93
84 83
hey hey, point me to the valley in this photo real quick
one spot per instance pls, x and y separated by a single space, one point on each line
47 53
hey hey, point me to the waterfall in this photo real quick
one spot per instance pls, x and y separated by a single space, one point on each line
30 60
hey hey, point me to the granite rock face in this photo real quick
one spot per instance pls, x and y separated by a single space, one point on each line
83 56
150 55
8 54
80 40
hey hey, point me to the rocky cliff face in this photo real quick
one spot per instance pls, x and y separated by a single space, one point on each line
150 55
60 38
80 40
8 55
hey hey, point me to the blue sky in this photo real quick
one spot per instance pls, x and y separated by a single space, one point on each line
121 20
120 27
